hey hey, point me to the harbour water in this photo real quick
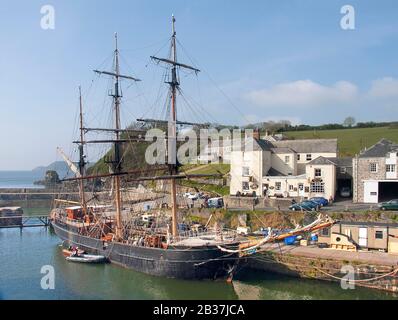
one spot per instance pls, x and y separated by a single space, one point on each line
24 252
19 179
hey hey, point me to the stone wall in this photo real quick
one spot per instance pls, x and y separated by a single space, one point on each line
324 269
361 171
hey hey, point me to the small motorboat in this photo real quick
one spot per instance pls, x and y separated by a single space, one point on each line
70 252
86 258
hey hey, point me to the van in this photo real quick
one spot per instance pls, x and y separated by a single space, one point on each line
215 203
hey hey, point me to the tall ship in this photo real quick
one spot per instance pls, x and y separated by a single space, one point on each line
156 245
154 242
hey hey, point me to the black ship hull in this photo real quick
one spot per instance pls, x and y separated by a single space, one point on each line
205 262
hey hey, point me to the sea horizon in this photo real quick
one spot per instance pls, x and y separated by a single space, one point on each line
19 179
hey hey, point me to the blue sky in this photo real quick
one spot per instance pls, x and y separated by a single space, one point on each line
272 59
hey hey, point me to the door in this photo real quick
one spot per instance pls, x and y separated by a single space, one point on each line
301 189
363 237
371 192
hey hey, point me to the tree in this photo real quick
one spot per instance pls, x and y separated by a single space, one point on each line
51 178
349 122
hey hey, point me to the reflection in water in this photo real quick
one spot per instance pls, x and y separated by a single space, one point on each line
23 253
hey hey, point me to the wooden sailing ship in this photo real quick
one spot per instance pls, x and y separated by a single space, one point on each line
164 251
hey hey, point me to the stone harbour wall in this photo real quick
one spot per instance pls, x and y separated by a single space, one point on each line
325 269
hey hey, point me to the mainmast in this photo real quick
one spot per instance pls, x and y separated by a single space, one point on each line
116 161
172 134
82 161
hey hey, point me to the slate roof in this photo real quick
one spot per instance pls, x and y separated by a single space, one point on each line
380 149
309 145
282 150
274 173
321 161
342 162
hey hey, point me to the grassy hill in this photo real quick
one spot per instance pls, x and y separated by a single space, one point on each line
350 141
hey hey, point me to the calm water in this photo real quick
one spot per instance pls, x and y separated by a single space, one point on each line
23 253
19 179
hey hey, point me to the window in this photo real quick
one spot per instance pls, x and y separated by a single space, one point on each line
309 157
390 168
287 159
373 193
325 232
291 187
278 186
373 167
379 235
298 157
318 173
245 171
245 185
317 187
343 170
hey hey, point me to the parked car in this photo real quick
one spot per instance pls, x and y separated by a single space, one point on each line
215 203
389 205
305 205
320 200
193 196
345 192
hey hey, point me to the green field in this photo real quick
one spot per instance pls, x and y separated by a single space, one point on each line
350 141
219 168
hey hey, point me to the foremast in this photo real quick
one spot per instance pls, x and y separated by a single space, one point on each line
172 130
82 160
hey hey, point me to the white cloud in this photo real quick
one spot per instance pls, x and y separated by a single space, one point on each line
304 93
384 88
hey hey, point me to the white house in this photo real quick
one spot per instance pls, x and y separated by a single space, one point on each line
287 168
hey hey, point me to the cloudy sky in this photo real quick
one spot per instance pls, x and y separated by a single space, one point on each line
260 60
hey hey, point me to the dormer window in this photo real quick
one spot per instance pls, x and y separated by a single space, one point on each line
309 157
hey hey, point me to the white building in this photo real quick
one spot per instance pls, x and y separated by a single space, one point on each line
287 168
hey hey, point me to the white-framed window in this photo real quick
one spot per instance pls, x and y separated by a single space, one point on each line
278 186
245 171
308 156
390 168
298 157
291 187
287 159
245 185
373 167
318 172
317 187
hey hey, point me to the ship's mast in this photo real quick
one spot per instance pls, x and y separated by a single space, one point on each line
173 137
172 134
116 161
82 162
